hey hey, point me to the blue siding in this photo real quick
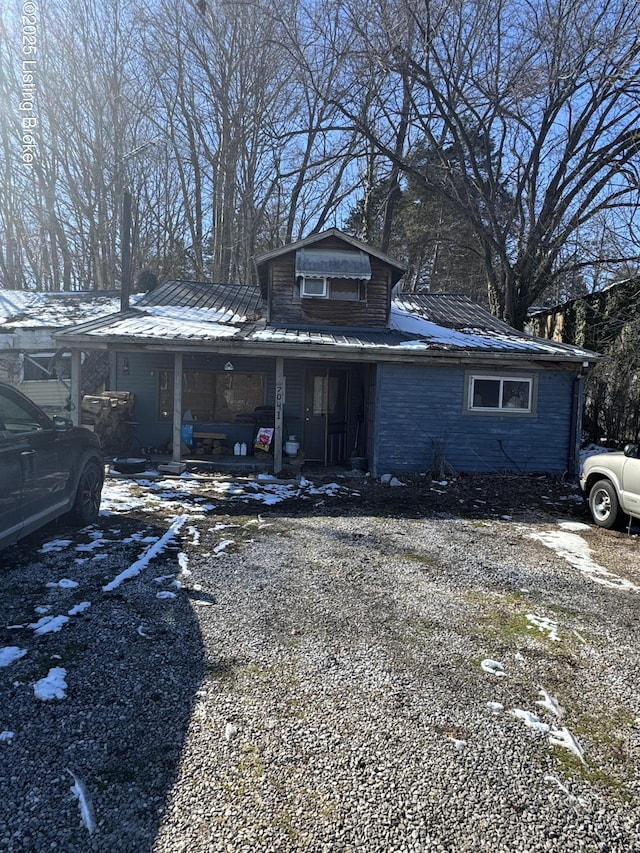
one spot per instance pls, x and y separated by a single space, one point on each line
420 411
142 380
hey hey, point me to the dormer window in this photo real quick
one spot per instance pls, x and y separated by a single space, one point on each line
313 286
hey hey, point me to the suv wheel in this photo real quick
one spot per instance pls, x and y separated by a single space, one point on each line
604 505
86 506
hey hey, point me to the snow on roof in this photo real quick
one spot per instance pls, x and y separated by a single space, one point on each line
197 311
199 316
186 325
429 335
31 310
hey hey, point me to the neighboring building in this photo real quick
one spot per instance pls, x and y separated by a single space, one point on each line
594 320
29 355
607 320
324 351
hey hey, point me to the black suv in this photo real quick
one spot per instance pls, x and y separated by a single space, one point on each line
47 468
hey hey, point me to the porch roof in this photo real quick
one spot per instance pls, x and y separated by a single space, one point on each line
186 314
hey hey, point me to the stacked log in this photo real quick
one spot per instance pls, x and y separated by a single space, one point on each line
110 416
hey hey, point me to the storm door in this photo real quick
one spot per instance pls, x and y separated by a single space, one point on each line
325 415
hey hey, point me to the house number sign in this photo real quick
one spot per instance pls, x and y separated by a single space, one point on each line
280 394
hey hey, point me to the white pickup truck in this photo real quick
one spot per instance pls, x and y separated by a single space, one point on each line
611 484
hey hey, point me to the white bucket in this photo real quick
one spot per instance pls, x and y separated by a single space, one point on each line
291 447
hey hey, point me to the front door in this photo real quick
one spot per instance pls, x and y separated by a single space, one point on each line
325 415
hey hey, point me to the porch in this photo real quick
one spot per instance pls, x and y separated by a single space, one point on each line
205 407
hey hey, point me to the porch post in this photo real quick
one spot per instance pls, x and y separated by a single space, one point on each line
75 392
177 406
279 407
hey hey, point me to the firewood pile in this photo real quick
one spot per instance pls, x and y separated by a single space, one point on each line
110 416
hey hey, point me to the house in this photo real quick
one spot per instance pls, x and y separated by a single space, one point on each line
324 351
29 355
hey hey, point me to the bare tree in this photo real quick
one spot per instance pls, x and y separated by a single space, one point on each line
245 154
537 102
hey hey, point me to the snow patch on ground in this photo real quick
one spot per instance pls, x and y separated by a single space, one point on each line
543 623
531 720
493 667
549 702
573 526
63 583
222 545
185 496
55 545
52 686
79 790
577 553
151 552
10 654
563 737
48 625
79 608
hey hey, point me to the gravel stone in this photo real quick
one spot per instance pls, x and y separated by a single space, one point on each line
316 684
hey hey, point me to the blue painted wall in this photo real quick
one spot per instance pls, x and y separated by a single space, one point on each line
420 412
138 372
417 412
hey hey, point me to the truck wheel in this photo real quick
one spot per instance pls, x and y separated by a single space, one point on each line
86 506
604 505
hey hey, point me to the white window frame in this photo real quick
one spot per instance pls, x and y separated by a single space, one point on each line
38 359
501 408
325 287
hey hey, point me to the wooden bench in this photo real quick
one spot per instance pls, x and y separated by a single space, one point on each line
214 436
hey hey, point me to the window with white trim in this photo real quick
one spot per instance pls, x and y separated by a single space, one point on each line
488 393
312 286
45 366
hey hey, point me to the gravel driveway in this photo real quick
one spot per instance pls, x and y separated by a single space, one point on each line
350 668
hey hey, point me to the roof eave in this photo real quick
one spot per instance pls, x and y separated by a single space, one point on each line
308 350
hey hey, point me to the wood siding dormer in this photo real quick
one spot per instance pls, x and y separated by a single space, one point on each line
361 304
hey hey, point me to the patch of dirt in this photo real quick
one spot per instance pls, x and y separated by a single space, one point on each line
523 496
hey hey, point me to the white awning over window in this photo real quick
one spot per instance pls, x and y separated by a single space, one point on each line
333 263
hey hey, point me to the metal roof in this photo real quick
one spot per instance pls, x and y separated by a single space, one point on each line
323 235
359 339
195 313
452 310
237 299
